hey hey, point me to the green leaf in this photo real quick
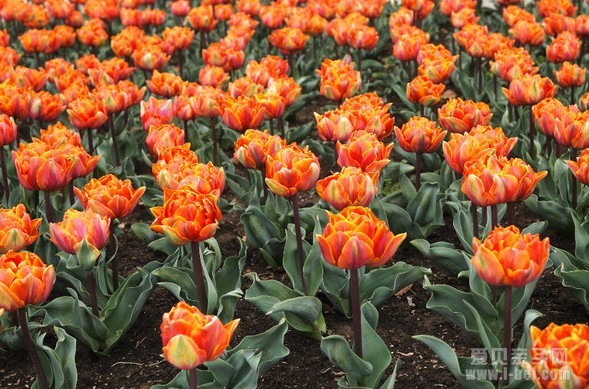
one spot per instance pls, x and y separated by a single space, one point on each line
143 232
378 285
444 255
581 238
340 354
375 350
448 357
335 286
179 281
290 258
425 208
59 363
390 382
302 313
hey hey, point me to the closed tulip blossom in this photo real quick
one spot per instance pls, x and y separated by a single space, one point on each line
110 196
186 216
529 89
356 237
437 70
549 367
580 167
464 148
155 112
334 126
191 338
164 136
40 167
292 170
8 130
164 84
421 90
24 280
419 135
253 147
365 151
338 79
511 63
459 116
570 75
242 113
288 40
508 258
495 180
77 227
86 113
574 131
17 229
349 187
565 47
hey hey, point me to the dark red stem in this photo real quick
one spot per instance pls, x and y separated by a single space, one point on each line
115 142
201 293
301 257
574 182
417 171
214 136
92 290
494 216
507 333
475 221
356 313
48 206
4 176
192 378
24 325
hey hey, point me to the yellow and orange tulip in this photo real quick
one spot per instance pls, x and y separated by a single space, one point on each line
356 237
421 90
191 338
291 170
253 147
349 187
419 135
39 167
460 116
365 151
580 167
508 258
17 229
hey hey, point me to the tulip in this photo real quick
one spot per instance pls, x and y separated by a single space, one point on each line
164 84
407 46
78 229
549 367
437 70
242 113
338 79
286 87
565 47
8 130
496 180
363 37
349 187
186 216
150 57
179 37
291 170
334 126
528 33
191 338
17 229
422 90
461 149
45 106
202 18
84 163
86 113
40 167
364 151
288 40
110 196
352 239
57 135
253 147
508 258
584 102
156 112
164 136
419 135
459 116
273 15
175 155
214 76
570 76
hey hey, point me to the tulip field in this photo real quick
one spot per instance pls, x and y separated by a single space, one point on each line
305 194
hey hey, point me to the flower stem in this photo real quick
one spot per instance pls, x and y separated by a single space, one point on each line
356 313
201 293
494 216
417 171
24 325
4 176
507 333
574 182
115 142
71 192
281 127
475 221
214 136
192 378
264 186
532 134
301 257
90 142
115 261
48 206
92 289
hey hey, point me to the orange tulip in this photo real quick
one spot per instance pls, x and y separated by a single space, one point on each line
570 75
291 170
272 15
349 187
164 136
580 167
286 87
24 279
334 126
288 40
173 156
57 135
494 180
419 135
17 229
213 76
242 113
508 258
356 237
202 178
338 79
584 102
407 46
253 147
8 130
87 113
565 47
45 107
150 57
110 196
186 216
549 367
164 84
495 138
463 17
273 104
179 37
14 101
155 112
437 70
576 132
208 101
553 116
422 90
529 89
83 163
365 151
464 148
202 18
92 33
473 39
528 33
39 167
191 338
363 37
79 226
369 113
39 41
460 116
